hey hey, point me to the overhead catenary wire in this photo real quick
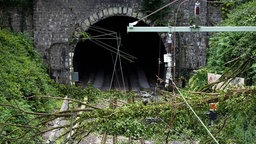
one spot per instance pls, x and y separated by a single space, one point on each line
158 10
106 34
122 52
169 5
174 37
102 29
113 36
184 99
120 63
112 49
108 47
102 36
143 18
114 67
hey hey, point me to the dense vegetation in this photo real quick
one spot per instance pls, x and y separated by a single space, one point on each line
30 100
233 55
23 7
150 6
22 75
26 4
235 52
23 79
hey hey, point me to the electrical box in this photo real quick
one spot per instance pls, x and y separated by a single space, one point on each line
75 77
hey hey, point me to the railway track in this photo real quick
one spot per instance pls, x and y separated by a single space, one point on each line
104 80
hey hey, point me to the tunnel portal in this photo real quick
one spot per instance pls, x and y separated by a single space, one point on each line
111 58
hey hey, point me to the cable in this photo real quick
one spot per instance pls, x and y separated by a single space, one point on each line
120 63
159 55
104 45
163 8
157 10
95 28
96 40
169 5
122 73
174 38
114 69
115 63
194 112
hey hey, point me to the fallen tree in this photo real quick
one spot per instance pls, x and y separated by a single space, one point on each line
114 113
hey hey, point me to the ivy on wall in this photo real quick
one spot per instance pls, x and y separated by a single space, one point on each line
25 7
149 6
227 5
26 4
235 52
22 74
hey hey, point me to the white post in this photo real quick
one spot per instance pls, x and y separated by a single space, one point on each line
71 69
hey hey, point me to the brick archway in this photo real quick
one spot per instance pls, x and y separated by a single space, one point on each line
108 12
94 57
103 14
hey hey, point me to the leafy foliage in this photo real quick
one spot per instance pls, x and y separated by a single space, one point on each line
239 111
24 8
27 97
234 53
23 74
28 4
149 6
198 80
228 5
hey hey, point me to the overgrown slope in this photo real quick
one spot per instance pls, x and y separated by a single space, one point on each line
232 54
22 75
24 117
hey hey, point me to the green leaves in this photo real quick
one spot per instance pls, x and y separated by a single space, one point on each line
198 80
24 3
22 66
240 107
233 55
227 51
149 6
22 74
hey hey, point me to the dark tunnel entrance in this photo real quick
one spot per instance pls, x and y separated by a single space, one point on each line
114 59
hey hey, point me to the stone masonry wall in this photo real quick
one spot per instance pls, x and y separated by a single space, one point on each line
191 47
16 19
54 23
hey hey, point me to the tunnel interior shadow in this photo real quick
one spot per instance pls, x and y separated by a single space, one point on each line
96 57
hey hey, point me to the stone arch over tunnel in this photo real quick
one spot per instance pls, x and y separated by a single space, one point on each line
136 66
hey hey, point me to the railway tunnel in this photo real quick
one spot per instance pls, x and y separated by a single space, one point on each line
112 58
